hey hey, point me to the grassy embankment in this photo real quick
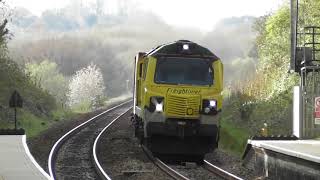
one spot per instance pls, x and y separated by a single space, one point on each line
232 138
240 121
34 124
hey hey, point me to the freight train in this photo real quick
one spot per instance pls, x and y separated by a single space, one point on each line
177 99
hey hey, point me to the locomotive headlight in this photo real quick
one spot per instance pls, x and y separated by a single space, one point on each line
156 104
159 107
185 47
213 103
209 106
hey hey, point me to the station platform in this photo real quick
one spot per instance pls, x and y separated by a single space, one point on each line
16 161
284 159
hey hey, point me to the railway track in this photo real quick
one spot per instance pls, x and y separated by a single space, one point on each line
167 169
220 172
175 174
102 174
72 156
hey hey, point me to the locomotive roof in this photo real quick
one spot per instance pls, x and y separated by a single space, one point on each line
182 48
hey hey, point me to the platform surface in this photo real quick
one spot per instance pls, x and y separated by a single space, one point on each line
304 149
16 162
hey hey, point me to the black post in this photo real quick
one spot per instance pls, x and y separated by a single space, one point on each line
15 119
294 6
15 102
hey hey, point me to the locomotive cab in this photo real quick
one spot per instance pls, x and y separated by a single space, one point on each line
177 98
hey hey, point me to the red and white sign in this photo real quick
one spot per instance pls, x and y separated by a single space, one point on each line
317 110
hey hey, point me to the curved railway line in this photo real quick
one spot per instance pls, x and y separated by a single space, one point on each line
220 172
179 176
74 155
71 156
101 172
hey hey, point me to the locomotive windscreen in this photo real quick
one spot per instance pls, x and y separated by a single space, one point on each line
182 70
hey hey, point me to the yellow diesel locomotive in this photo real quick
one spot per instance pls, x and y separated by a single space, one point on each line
177 99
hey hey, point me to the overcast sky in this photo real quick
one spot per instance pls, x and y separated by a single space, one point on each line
199 14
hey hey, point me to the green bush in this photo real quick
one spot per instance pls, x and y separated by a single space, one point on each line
232 137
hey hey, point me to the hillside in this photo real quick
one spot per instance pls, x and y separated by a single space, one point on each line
74 40
38 104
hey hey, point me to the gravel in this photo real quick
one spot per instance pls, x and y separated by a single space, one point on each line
74 158
121 156
195 172
230 163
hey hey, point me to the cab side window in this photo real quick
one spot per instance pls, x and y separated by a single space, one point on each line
145 65
140 70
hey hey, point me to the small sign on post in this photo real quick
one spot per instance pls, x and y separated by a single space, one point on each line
15 102
317 111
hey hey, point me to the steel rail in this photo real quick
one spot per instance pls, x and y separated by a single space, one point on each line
220 172
65 137
165 168
99 169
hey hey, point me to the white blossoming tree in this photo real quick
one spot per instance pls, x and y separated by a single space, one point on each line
86 89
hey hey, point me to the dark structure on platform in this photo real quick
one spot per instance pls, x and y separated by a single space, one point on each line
14 102
305 60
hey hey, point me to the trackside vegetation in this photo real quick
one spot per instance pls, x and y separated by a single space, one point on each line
48 95
265 97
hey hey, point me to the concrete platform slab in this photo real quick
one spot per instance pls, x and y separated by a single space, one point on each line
16 161
283 159
304 149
